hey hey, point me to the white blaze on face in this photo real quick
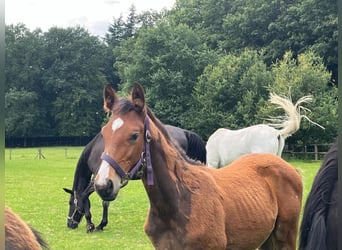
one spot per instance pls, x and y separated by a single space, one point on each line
117 123
103 174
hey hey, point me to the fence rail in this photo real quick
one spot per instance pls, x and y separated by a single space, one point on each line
308 152
12 142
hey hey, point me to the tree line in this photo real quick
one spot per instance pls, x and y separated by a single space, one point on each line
204 64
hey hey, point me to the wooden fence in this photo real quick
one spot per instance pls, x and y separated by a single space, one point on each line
307 152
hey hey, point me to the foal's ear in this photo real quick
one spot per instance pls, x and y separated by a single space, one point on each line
138 97
109 98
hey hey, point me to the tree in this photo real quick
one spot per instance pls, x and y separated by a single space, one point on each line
230 93
167 60
278 26
273 25
21 114
123 31
74 77
234 93
307 75
23 57
206 17
23 72
60 75
119 31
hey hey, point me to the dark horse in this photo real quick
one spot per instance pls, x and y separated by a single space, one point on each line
253 203
319 227
79 203
83 186
19 235
189 141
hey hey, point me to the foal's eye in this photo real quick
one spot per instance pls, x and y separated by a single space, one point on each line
134 137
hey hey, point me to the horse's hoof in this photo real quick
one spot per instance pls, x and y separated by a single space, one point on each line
90 228
98 229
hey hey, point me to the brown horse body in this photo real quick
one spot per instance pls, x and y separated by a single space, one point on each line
20 236
255 202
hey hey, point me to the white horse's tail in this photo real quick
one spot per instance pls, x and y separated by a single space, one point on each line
290 122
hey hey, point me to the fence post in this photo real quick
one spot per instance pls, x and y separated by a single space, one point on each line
40 154
316 152
10 154
305 152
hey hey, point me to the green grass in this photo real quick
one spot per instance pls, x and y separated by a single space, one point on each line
33 189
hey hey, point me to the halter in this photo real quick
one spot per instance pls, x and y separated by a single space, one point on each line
77 209
144 161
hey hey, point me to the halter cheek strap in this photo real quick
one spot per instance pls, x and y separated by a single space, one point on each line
148 138
145 158
77 210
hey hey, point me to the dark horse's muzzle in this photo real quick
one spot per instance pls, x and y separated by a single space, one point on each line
74 219
72 224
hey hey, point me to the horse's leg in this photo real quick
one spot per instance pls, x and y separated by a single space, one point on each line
104 221
284 234
90 224
87 215
269 244
85 196
281 144
283 237
213 159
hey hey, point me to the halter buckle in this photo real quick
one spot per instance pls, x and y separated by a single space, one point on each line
124 181
148 136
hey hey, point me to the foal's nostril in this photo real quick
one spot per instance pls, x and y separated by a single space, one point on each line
104 187
110 185
106 191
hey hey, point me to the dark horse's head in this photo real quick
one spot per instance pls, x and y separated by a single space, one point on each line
76 208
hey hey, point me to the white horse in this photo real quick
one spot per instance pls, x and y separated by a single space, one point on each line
226 145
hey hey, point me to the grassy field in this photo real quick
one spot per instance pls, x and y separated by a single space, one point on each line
33 189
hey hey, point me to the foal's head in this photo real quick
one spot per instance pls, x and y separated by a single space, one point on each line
124 136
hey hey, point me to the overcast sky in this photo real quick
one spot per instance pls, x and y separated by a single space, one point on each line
94 15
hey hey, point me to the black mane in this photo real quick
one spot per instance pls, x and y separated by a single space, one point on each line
196 146
318 202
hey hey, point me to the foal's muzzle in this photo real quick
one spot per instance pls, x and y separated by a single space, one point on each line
106 192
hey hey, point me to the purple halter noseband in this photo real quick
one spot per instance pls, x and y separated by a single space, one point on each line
144 161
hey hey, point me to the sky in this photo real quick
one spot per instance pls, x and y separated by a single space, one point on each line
94 15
